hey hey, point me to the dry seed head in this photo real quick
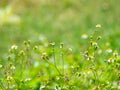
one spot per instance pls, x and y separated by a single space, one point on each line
61 45
22 53
12 67
9 57
35 47
91 37
29 41
25 42
99 37
115 54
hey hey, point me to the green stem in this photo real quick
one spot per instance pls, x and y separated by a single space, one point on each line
55 61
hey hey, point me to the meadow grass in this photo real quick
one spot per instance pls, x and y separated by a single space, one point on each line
68 45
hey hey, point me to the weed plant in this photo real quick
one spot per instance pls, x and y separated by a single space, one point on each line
54 66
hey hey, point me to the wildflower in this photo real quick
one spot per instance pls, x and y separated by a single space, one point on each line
12 67
1 65
44 56
35 47
89 58
9 78
109 50
94 44
22 53
115 54
99 51
61 45
99 37
98 25
110 60
84 36
14 47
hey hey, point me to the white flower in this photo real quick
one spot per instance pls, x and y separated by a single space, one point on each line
14 46
1 65
84 36
109 50
98 25
110 60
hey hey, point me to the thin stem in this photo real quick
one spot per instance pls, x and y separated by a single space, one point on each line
55 60
62 62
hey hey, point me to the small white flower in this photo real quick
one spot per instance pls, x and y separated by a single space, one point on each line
12 67
109 50
110 60
14 46
84 36
1 65
98 25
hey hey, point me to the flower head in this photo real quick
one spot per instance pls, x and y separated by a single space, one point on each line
110 60
84 36
14 46
98 25
1 65
109 50
12 67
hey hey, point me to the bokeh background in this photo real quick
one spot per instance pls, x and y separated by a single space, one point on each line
58 20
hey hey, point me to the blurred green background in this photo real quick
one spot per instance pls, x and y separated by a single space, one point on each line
58 20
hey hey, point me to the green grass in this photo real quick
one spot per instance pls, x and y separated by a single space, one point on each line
61 21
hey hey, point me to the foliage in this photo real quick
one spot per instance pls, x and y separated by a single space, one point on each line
45 66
